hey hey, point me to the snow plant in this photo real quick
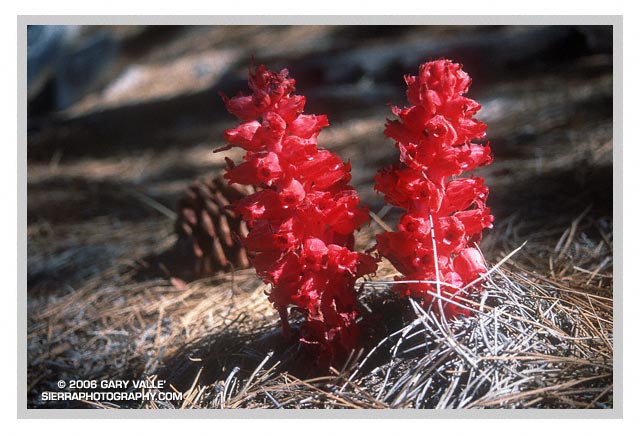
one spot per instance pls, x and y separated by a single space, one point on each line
303 217
435 244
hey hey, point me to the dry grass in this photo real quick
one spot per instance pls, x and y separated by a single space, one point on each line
540 335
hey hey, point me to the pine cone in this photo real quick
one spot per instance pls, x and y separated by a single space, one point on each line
213 228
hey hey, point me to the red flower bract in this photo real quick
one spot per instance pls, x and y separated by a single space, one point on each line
444 215
303 218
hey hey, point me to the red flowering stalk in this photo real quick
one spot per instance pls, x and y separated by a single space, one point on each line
302 220
445 214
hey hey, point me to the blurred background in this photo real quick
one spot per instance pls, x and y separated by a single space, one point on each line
121 119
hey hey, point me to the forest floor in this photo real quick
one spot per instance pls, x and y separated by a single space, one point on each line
111 290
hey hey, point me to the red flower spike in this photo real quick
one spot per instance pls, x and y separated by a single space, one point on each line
445 215
301 223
